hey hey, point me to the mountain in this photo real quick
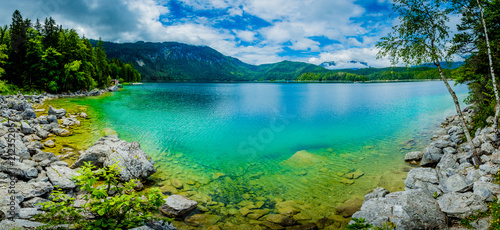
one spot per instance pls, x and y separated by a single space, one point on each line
173 61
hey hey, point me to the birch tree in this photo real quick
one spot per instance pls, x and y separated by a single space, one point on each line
422 37
473 13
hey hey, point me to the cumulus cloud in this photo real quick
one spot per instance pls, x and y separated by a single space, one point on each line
255 31
343 58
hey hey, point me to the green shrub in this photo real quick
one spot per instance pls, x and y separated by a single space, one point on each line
115 206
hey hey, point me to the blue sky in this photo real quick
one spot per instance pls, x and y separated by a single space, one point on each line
255 31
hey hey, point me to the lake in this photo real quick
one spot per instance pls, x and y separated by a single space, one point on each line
234 145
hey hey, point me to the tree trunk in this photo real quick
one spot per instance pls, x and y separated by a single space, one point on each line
493 79
475 155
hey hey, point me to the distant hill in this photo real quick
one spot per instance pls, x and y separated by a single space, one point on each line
173 61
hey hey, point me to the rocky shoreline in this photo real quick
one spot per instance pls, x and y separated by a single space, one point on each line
446 187
28 174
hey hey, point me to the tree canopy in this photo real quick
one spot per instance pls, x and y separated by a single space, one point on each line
49 58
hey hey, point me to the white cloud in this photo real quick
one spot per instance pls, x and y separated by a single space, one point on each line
342 58
293 24
245 35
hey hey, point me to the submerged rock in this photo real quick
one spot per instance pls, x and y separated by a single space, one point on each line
133 162
414 156
303 158
177 205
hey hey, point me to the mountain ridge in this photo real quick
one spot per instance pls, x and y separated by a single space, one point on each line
174 61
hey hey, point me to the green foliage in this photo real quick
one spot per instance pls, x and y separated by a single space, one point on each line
422 35
49 58
59 211
7 89
115 205
467 221
359 224
470 43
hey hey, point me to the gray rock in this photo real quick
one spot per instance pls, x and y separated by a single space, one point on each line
8 203
60 163
27 213
52 119
475 174
113 88
61 176
456 183
34 189
443 144
49 143
493 188
43 134
84 115
448 162
377 193
59 113
134 163
432 155
449 150
489 168
29 114
414 156
60 132
35 202
487 148
18 169
20 148
26 224
411 209
177 205
39 157
69 122
461 205
423 178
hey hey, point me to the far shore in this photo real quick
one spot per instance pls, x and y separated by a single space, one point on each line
295 81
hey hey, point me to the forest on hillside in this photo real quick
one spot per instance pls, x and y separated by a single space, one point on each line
46 57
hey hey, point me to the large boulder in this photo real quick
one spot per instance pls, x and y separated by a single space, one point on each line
414 156
423 178
133 162
432 155
377 193
18 169
177 205
456 183
34 189
29 114
59 113
411 209
61 176
461 205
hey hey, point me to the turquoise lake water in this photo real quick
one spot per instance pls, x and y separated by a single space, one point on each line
276 141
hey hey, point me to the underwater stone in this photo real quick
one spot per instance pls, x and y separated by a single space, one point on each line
177 205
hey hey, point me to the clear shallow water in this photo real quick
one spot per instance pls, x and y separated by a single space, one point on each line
230 143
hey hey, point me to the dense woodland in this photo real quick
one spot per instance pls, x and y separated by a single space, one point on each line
471 43
46 57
